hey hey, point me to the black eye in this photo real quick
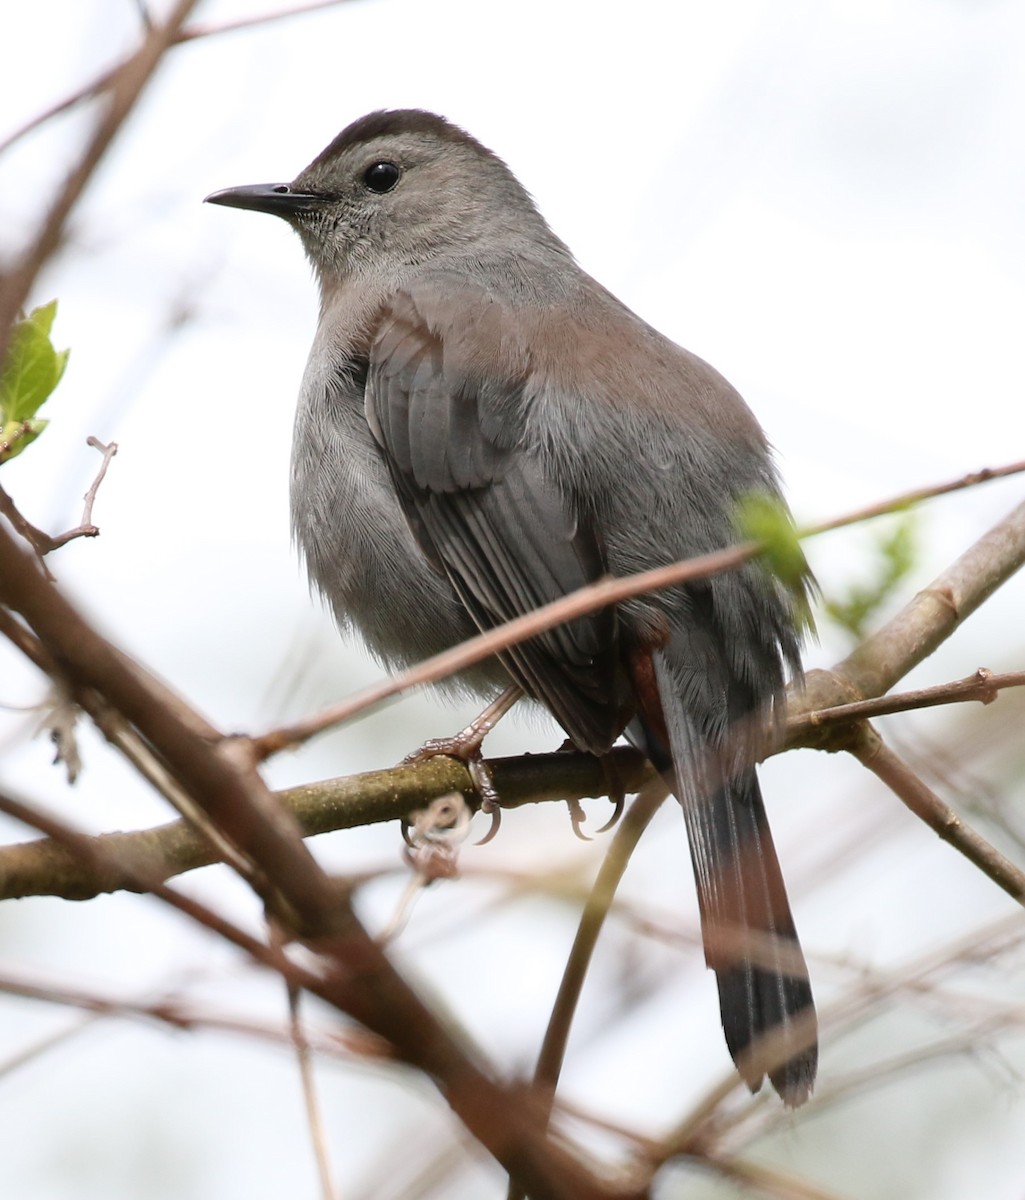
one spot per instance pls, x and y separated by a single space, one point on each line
381 177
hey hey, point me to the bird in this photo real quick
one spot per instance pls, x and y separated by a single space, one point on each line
483 428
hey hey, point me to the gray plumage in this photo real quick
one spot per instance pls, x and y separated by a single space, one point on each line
483 428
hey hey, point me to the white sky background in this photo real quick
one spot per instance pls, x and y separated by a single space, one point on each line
823 199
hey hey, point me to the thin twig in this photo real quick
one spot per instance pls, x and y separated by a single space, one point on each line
30 1054
85 527
929 619
314 1118
599 901
915 496
124 88
339 1041
41 541
769 1181
599 595
872 752
36 537
193 33
982 686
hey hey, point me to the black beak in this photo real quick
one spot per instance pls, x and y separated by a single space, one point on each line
276 198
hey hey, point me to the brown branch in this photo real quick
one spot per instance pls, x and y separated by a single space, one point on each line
449 662
929 619
37 868
909 499
612 591
85 527
355 975
177 1014
45 868
768 1181
124 88
870 750
617 858
193 33
36 537
982 686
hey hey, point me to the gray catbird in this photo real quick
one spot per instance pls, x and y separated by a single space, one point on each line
483 428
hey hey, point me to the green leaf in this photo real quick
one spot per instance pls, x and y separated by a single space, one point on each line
766 519
42 317
895 554
31 370
62 361
16 435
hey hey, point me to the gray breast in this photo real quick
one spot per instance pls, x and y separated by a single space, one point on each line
358 548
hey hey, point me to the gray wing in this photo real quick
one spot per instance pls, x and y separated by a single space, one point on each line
447 397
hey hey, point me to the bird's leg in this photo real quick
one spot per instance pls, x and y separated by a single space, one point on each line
466 746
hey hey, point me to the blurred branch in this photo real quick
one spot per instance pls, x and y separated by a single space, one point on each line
919 628
769 1181
353 973
617 858
179 38
123 90
177 1014
35 868
710 1130
314 1117
870 750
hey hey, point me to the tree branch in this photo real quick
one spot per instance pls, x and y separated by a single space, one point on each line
355 975
45 868
870 750
982 686
612 591
124 87
193 33
920 627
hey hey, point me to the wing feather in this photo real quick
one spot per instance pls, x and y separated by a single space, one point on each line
480 501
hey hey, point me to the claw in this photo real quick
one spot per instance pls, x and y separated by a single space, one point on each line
466 746
490 805
617 793
619 803
404 827
496 821
577 818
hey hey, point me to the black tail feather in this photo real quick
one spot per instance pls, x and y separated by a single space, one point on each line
765 997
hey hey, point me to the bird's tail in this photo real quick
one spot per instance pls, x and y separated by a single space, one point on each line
765 998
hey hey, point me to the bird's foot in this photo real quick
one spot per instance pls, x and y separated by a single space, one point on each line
466 746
